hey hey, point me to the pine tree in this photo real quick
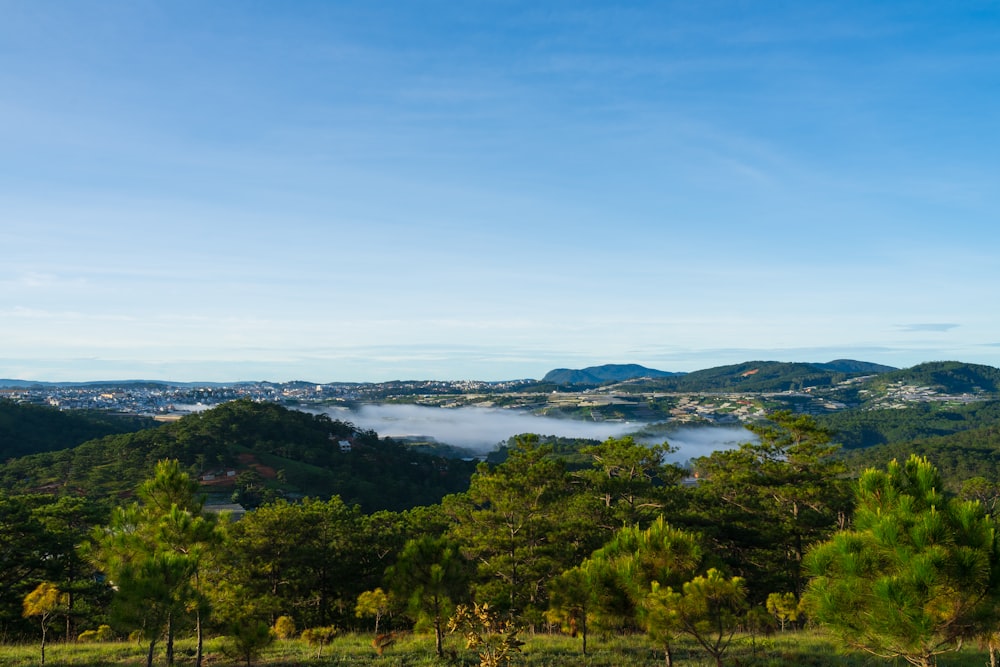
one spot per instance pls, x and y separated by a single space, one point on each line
766 502
152 552
708 609
633 565
430 575
515 523
629 480
916 575
303 558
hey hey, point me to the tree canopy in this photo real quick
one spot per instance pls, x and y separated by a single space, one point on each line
915 575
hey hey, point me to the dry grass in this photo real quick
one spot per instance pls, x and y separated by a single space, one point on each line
791 649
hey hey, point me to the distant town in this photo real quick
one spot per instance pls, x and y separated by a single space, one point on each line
164 399
614 402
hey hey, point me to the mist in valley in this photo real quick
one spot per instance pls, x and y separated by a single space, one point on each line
694 441
480 430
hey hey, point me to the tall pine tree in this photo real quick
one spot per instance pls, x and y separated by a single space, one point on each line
917 573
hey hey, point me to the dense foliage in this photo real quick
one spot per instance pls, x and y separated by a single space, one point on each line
917 574
278 453
507 541
755 376
959 456
764 503
28 429
595 375
866 428
953 377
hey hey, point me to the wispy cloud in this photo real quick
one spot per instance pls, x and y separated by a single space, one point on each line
926 326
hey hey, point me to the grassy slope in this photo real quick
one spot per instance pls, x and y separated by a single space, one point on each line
804 648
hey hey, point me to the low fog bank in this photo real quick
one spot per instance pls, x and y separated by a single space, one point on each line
694 441
480 430
192 407
476 429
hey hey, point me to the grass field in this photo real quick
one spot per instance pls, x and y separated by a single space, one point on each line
798 649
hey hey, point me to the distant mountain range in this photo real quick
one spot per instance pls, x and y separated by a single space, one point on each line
751 376
950 377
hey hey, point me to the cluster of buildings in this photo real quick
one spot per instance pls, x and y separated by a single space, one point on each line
144 398
900 395
162 398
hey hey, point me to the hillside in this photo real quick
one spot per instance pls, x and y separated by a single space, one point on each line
959 456
851 366
595 375
860 428
30 429
254 450
763 376
747 376
952 377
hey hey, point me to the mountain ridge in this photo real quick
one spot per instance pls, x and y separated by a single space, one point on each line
603 373
758 375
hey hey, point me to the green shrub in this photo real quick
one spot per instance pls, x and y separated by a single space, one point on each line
319 637
284 627
248 639
103 633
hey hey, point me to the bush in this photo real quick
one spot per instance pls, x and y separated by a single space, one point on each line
284 627
493 638
248 640
383 641
103 633
319 637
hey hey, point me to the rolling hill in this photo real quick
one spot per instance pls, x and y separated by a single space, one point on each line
952 377
259 450
764 376
747 376
595 375
30 429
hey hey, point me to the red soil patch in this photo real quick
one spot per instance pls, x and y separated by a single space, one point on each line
250 461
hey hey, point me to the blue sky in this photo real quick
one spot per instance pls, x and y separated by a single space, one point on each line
228 190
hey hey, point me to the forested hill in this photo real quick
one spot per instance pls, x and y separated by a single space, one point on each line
852 366
952 377
861 428
30 429
756 376
748 376
595 375
960 457
256 451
